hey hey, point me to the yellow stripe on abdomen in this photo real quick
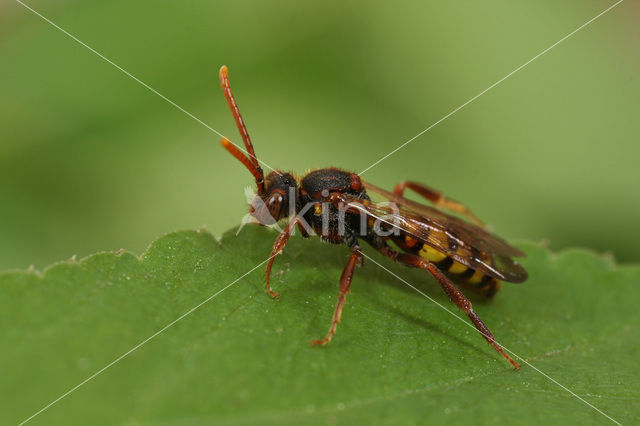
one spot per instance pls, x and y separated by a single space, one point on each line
457 268
473 279
444 262
476 278
431 254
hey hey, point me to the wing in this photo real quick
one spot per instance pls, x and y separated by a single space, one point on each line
466 243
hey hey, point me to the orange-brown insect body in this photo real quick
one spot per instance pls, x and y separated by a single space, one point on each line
336 206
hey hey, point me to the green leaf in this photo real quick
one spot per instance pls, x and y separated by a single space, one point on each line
244 358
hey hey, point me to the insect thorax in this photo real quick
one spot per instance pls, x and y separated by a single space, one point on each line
319 204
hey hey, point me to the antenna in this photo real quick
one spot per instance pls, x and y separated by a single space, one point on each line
250 162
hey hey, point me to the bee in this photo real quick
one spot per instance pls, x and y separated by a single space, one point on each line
335 205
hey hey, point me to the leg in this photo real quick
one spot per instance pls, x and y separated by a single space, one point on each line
438 199
279 244
345 284
452 291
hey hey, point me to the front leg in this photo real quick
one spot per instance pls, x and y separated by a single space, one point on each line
278 245
345 285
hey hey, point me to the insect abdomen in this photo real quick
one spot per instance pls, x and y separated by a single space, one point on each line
475 280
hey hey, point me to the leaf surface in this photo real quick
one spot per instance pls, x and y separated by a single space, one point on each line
244 358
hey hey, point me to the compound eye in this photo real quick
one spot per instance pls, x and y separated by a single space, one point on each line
275 205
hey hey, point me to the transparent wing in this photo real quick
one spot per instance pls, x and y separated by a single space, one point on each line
466 243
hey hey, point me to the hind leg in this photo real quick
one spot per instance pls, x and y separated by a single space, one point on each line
452 291
437 199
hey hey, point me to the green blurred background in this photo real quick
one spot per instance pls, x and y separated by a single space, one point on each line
90 160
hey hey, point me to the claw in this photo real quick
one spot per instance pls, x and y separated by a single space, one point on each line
273 294
322 342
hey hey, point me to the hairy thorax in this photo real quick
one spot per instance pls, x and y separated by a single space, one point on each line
321 203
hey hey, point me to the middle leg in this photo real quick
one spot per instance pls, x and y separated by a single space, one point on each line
345 285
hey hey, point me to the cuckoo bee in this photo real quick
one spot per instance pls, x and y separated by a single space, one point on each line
335 205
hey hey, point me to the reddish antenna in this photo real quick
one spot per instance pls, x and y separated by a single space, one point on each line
235 151
250 162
